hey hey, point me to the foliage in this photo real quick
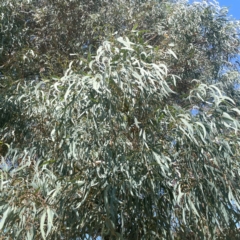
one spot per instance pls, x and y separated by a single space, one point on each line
103 142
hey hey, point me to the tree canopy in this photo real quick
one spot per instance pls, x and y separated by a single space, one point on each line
119 119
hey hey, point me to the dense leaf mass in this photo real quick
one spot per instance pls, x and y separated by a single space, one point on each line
119 119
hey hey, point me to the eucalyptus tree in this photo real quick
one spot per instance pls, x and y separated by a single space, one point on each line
104 143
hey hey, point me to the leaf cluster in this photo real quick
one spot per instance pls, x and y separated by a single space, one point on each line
101 141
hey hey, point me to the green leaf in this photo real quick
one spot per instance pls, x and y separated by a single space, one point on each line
4 217
42 222
50 215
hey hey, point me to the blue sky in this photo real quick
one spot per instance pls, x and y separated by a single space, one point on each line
234 7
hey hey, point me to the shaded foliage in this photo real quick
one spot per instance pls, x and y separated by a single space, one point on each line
95 120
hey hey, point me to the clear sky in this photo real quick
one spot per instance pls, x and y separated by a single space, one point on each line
234 7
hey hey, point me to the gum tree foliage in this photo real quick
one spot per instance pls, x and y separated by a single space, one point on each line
103 143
